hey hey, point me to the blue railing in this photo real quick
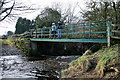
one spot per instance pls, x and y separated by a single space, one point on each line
86 30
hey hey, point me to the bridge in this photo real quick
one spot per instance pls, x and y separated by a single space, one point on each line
93 32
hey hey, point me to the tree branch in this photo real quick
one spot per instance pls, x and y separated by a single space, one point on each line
11 8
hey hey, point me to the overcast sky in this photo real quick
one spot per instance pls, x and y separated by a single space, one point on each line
5 26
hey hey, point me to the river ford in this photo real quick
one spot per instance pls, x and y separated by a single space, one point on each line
14 65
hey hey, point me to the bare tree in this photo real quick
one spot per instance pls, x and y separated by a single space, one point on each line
69 14
8 9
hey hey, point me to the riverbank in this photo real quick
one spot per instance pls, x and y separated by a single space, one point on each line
15 65
10 50
104 63
21 43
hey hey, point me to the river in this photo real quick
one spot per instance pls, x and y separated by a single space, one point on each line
14 65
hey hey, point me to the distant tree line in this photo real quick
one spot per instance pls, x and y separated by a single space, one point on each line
23 25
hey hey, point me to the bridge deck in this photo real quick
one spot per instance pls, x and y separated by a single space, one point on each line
71 40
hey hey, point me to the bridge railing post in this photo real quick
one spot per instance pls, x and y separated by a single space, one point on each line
49 32
108 33
41 33
67 30
90 30
36 33
72 27
83 30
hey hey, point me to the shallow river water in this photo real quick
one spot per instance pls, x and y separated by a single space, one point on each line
15 66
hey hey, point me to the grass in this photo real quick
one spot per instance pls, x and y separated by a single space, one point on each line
80 59
75 65
3 41
22 43
104 59
109 57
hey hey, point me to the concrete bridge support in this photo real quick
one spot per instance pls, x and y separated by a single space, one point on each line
34 48
60 48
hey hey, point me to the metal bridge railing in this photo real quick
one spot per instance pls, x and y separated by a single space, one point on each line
87 30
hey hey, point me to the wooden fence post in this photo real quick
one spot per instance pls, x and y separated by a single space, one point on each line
73 35
36 33
50 32
41 32
89 30
83 30
108 34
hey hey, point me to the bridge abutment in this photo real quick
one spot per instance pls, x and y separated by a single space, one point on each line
60 48
34 48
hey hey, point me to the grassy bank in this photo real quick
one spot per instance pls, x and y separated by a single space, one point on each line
21 43
3 41
101 64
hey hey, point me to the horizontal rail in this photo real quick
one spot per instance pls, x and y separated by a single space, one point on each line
92 28
116 37
117 31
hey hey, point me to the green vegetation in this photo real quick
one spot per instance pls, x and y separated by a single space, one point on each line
79 65
22 43
103 10
47 17
109 57
3 41
9 33
7 41
23 25
80 59
99 63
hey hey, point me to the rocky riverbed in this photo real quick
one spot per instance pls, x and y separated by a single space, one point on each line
15 65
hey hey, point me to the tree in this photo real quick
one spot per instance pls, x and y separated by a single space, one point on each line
47 17
23 25
97 11
69 14
9 33
102 10
57 13
116 7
